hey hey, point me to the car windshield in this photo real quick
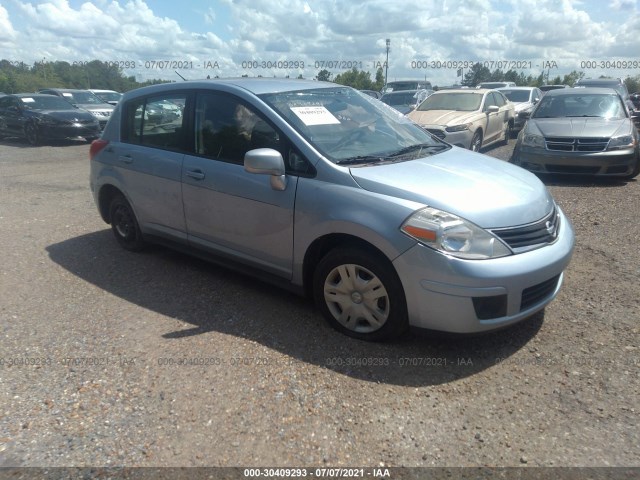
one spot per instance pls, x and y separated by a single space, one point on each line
517 96
46 102
459 101
577 105
399 98
350 127
110 96
82 98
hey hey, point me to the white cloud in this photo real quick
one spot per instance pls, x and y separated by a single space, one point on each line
7 33
234 31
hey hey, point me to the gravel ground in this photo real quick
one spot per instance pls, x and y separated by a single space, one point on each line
111 358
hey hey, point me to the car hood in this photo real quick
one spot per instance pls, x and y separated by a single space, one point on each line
520 106
92 107
442 117
489 192
578 127
65 115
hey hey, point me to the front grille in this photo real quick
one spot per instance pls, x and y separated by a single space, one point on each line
533 235
570 144
437 132
537 293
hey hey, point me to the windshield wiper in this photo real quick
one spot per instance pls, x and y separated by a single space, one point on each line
419 147
360 159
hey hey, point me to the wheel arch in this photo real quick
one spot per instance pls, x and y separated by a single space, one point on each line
106 195
323 245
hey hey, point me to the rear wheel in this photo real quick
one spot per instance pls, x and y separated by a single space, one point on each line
125 225
360 294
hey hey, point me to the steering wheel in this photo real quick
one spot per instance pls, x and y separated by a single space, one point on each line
353 135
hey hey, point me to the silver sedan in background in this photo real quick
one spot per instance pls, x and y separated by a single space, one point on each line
584 131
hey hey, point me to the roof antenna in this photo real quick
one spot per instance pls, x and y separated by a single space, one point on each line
180 75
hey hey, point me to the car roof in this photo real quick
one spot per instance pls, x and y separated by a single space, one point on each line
599 81
65 90
475 91
256 86
32 95
515 88
579 91
405 92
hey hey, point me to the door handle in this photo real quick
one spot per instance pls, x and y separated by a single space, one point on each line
125 158
195 174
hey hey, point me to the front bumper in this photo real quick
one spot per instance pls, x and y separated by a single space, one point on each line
65 132
610 163
469 296
459 139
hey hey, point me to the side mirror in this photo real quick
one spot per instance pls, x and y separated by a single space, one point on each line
493 109
267 161
525 114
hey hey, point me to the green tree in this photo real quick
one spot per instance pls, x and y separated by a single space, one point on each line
632 83
477 74
324 76
356 78
379 80
572 78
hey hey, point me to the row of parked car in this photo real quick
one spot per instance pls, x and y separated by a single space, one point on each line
56 114
588 129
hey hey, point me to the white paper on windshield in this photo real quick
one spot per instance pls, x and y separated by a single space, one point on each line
27 99
67 94
315 115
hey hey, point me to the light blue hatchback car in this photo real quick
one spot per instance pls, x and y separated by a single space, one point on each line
329 192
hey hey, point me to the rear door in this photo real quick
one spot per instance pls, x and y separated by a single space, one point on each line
148 162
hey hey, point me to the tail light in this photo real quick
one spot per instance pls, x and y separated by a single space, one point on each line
97 146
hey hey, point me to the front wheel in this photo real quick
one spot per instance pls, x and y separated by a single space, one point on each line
360 294
125 225
476 142
31 134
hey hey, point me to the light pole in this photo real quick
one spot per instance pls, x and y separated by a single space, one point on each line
386 65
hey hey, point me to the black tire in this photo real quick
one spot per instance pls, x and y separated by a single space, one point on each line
375 309
476 142
31 134
125 225
635 172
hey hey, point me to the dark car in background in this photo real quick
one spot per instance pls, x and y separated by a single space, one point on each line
405 101
86 100
372 93
407 85
40 117
546 88
586 131
108 96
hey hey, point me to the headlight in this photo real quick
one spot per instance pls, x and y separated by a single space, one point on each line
450 234
458 128
530 140
619 143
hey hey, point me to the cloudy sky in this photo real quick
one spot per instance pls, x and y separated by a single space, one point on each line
429 38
